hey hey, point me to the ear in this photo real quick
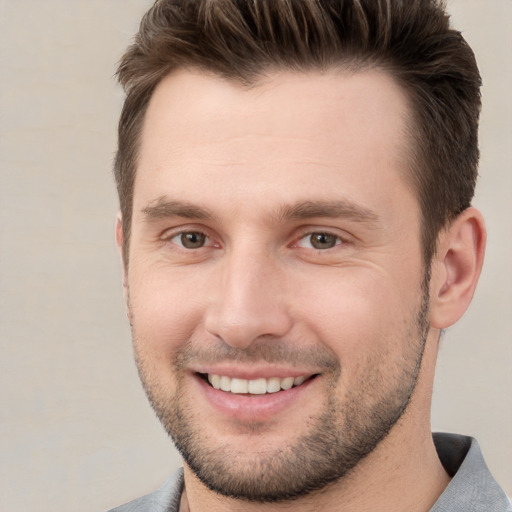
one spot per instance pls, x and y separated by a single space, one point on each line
456 268
120 243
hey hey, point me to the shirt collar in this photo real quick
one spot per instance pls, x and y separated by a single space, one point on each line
472 488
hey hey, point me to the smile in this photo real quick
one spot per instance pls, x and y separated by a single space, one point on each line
259 386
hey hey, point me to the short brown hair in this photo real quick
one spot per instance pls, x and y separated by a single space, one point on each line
241 39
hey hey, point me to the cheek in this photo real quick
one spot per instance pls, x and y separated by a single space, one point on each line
165 311
359 313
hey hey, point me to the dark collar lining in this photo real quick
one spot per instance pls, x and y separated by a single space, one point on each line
451 450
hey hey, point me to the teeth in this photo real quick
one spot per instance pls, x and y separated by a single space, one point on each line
273 385
287 383
255 386
298 381
225 383
214 381
238 385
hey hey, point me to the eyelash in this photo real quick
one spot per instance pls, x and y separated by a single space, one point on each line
179 234
338 240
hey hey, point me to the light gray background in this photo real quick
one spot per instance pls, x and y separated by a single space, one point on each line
75 430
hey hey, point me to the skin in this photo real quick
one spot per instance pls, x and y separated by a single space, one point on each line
243 166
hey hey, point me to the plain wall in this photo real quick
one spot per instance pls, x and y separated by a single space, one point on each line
75 430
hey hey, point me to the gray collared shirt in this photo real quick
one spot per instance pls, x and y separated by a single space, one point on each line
472 488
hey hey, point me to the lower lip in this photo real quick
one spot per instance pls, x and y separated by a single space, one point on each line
251 408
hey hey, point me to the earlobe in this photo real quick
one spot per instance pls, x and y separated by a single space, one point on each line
456 268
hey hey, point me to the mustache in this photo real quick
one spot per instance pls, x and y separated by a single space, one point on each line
266 350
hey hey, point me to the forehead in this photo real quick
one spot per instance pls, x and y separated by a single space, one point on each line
199 101
291 133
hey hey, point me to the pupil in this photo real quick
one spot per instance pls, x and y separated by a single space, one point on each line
192 240
323 240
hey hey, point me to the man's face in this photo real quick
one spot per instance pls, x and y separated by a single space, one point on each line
275 243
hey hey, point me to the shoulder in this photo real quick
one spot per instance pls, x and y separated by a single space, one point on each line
165 499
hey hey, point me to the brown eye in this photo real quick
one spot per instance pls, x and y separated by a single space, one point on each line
323 240
192 239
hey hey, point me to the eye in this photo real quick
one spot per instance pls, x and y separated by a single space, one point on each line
190 239
320 241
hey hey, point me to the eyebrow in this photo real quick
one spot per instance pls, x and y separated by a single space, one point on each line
342 208
162 208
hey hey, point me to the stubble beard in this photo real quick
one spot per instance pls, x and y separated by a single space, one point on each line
336 441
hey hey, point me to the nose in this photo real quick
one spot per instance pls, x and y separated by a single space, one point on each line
249 303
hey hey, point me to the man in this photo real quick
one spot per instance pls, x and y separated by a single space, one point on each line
295 180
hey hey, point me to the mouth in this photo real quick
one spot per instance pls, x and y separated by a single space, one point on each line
258 386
